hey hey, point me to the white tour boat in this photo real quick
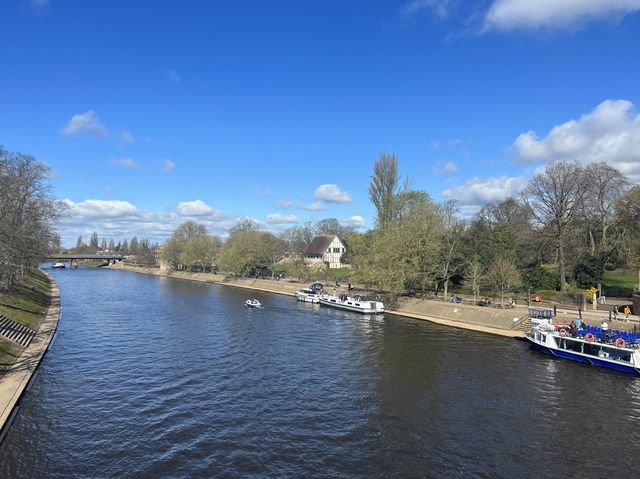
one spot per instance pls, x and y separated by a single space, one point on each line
356 304
611 349
58 265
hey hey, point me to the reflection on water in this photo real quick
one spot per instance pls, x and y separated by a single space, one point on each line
156 377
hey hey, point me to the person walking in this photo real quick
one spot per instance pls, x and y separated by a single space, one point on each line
615 312
627 312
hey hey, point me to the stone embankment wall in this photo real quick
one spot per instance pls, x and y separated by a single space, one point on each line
14 381
467 314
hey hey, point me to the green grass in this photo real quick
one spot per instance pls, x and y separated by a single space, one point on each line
620 282
24 303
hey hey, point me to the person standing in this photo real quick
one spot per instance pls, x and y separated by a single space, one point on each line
615 312
627 312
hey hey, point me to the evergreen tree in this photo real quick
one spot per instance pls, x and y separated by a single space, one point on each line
93 243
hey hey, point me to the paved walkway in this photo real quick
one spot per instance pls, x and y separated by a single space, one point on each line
14 381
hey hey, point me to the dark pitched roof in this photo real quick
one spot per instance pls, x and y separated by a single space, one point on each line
319 244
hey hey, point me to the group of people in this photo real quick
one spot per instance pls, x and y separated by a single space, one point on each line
626 311
574 326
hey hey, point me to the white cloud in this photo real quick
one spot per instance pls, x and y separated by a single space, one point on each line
279 219
117 220
480 191
447 168
261 190
450 167
440 8
126 137
312 206
507 15
355 221
173 76
285 204
87 122
610 134
92 209
194 208
332 194
168 166
125 162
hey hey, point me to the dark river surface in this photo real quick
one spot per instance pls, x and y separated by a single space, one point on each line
153 377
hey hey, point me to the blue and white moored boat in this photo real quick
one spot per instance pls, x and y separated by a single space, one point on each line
610 349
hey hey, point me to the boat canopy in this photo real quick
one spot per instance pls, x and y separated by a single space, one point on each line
541 313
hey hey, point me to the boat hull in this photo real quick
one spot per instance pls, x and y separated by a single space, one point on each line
307 298
582 358
363 307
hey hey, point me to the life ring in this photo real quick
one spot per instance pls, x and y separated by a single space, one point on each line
563 332
537 298
590 337
620 343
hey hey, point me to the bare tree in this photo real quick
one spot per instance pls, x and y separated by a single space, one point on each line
604 186
27 212
555 197
503 276
449 245
473 276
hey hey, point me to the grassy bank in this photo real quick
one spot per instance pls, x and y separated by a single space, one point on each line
24 303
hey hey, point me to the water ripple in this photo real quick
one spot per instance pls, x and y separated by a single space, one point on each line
151 377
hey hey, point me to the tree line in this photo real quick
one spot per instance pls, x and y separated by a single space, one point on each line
125 247
27 213
248 250
568 225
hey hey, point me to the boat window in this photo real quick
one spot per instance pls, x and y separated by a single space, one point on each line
602 351
573 345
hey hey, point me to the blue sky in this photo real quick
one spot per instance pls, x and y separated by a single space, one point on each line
151 112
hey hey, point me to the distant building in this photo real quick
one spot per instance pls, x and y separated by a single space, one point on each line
325 251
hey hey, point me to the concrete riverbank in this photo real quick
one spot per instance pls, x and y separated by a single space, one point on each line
486 320
16 378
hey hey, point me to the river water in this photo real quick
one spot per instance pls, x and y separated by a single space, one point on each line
152 377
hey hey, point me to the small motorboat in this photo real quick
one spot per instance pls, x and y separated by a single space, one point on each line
58 265
308 295
253 303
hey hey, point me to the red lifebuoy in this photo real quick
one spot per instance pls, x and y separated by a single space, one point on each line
620 343
590 337
563 332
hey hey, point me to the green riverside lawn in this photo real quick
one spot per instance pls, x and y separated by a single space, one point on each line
24 303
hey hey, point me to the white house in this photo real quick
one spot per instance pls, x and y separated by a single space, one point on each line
325 250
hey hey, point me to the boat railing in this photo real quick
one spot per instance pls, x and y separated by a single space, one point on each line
631 340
